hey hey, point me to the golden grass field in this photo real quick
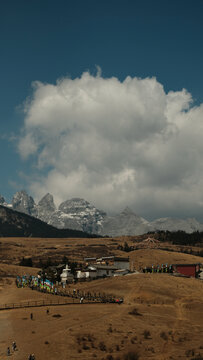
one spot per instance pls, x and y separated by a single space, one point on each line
161 318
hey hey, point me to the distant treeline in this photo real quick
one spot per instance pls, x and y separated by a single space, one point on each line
181 237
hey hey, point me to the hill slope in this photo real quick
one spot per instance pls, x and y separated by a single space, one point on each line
14 223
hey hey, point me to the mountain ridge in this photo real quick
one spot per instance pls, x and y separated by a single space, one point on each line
17 224
78 214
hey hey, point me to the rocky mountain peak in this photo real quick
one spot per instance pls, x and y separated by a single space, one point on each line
125 223
83 213
23 202
46 208
79 214
47 202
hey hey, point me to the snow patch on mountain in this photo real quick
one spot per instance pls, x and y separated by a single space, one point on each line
79 214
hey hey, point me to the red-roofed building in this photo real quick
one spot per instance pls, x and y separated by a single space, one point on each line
190 270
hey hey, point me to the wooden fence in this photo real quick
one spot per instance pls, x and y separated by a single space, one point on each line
40 303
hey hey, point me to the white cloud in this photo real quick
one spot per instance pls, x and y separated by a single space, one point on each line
116 144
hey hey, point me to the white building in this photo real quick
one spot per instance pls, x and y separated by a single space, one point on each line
66 275
103 270
86 274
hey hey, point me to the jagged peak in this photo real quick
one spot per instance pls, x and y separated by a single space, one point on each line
20 193
47 197
47 203
23 202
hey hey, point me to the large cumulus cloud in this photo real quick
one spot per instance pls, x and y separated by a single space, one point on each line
115 144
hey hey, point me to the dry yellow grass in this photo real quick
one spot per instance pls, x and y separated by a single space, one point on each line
170 311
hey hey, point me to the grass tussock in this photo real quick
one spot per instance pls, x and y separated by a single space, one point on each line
135 312
147 334
102 346
164 336
131 355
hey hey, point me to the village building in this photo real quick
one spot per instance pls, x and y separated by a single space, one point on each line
119 262
90 260
105 266
190 270
87 274
105 260
103 270
122 263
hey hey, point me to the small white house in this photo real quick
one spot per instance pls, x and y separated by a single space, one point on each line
80 274
66 275
103 270
122 263
86 274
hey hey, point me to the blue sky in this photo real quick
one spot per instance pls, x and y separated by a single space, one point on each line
48 40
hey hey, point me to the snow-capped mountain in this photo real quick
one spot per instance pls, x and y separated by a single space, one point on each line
125 223
76 213
174 224
79 214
